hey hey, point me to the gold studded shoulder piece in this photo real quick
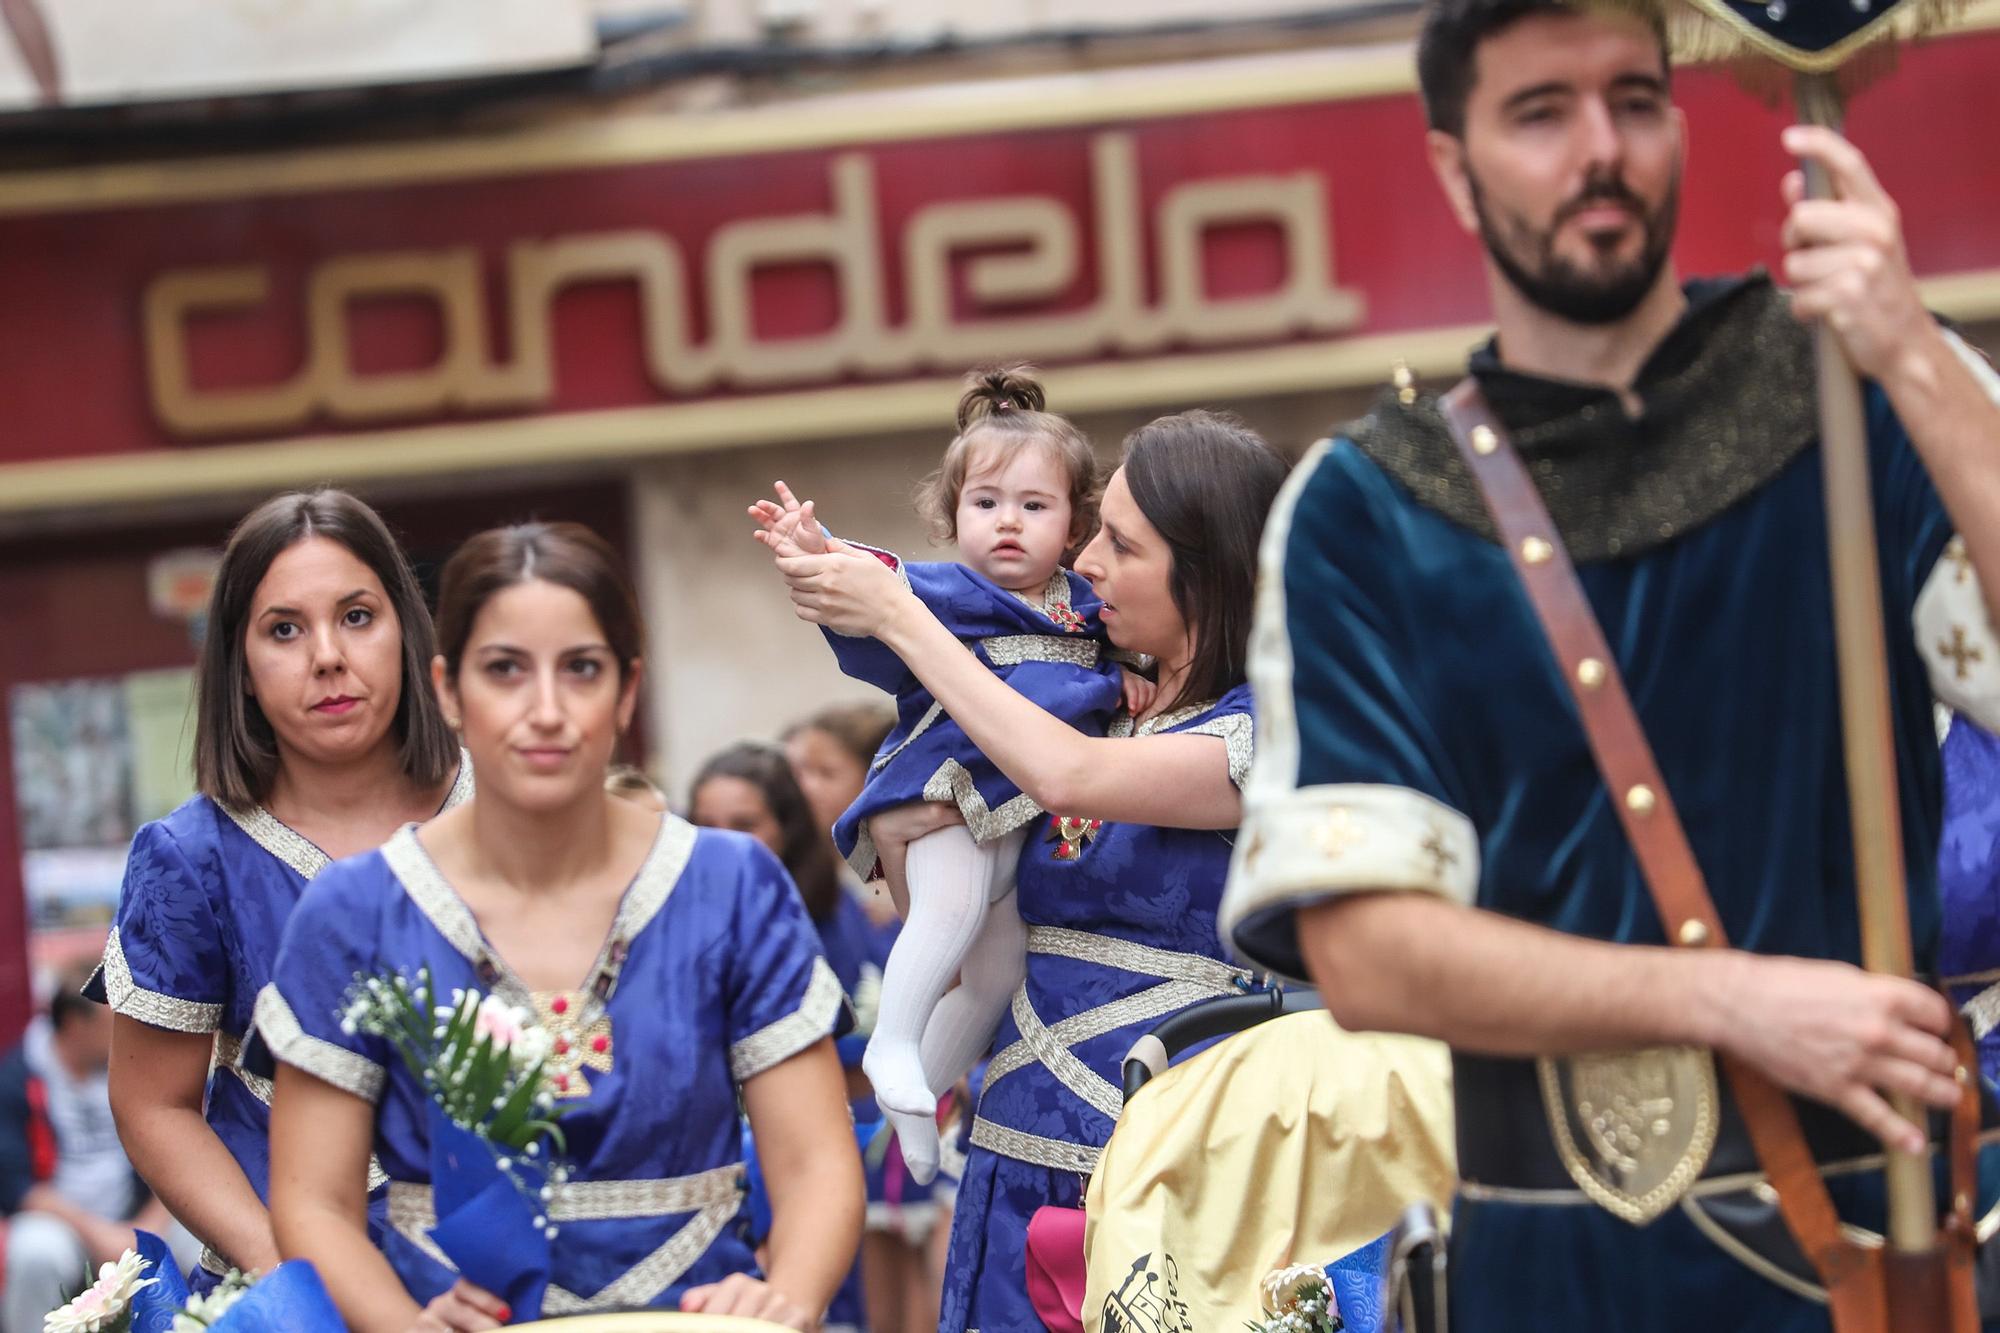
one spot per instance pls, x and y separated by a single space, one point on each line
1728 405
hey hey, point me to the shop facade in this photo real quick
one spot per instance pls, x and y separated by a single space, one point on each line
640 323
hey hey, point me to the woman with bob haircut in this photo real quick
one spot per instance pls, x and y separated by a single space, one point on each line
316 736
1120 886
672 968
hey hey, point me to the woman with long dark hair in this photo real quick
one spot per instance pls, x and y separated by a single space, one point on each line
1120 885
316 736
673 969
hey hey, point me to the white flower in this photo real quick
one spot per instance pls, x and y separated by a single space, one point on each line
531 1046
203 1311
107 1300
1286 1289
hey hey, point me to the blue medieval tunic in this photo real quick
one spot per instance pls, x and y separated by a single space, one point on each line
1121 934
1052 650
206 896
722 979
1416 733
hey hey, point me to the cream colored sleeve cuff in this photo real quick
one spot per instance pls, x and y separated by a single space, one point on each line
1954 630
1313 844
1956 639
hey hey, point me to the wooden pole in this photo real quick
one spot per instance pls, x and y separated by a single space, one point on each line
1867 734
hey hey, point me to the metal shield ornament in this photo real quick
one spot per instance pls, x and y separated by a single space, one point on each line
1634 1129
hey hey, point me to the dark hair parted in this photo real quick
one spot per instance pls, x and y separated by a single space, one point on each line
568 555
1005 407
1448 47
807 855
859 728
235 751
1206 482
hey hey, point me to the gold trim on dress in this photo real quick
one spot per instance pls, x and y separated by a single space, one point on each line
127 997
293 1045
714 1197
779 1041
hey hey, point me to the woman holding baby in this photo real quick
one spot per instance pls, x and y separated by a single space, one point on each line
1118 877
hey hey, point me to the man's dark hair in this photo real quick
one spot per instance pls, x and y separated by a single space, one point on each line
1448 47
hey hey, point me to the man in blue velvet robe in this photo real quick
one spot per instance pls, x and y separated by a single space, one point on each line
1426 833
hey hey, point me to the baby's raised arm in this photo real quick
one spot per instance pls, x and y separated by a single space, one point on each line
786 526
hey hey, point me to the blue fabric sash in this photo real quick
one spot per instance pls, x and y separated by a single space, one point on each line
486 1226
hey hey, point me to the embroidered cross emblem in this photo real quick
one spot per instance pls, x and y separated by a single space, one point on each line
1961 560
1961 653
1065 615
1442 857
574 1045
1338 833
1071 835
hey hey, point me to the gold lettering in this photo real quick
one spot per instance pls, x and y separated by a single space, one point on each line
1041 263
168 301
450 278
1307 302
1043 272
846 239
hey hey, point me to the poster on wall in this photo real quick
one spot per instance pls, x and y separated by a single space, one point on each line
93 760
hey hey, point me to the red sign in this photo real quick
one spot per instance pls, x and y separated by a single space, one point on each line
179 326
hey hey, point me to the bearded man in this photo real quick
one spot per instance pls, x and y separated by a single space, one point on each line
1427 833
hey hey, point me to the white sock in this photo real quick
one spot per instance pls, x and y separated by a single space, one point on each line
950 879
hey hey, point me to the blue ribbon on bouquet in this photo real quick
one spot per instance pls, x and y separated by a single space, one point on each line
288 1299
486 1225
154 1306
1357 1280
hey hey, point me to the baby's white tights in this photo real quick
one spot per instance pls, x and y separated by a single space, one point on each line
962 923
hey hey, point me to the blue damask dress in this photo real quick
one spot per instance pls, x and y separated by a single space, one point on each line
206 896
1052 650
1969 883
1121 933
714 976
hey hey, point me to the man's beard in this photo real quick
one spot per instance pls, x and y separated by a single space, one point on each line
1557 284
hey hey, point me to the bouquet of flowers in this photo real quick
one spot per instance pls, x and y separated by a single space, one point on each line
143 1292
493 1135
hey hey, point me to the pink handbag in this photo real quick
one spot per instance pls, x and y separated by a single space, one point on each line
1056 1268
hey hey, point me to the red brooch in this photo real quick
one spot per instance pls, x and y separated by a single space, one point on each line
1071 835
1066 616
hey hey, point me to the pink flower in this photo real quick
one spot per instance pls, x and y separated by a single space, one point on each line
500 1021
